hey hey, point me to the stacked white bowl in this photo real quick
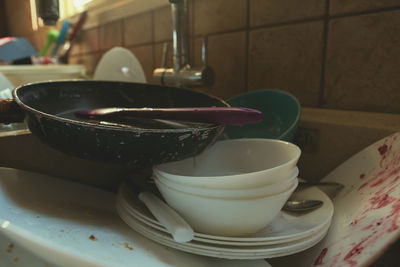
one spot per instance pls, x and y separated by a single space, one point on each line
234 188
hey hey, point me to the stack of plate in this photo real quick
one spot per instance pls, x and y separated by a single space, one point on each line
287 234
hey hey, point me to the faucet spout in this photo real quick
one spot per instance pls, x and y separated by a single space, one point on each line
180 34
182 74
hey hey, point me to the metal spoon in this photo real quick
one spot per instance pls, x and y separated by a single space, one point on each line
302 205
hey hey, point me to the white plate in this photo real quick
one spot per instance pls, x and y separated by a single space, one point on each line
260 254
119 64
286 227
367 210
216 247
255 252
69 224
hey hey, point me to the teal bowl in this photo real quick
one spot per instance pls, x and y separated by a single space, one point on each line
281 115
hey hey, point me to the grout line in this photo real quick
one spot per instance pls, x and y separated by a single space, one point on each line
248 28
122 32
366 12
265 26
247 45
299 21
220 32
153 37
141 45
160 41
90 53
97 29
286 23
326 16
192 46
324 52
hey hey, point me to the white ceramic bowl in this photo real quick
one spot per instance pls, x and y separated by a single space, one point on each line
233 164
256 192
22 74
226 217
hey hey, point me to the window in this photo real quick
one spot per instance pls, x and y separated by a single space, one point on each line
99 11
69 8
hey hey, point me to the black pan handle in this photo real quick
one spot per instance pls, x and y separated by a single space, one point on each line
10 111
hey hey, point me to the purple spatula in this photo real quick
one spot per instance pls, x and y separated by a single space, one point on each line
218 115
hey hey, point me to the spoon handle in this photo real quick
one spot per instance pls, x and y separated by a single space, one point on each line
169 218
219 115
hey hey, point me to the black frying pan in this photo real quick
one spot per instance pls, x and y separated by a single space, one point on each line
49 110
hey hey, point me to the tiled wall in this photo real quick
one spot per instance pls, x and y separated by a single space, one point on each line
336 54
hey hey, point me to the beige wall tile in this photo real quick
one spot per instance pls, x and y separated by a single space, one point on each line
227 58
76 48
219 15
75 60
90 41
77 45
111 35
337 135
346 6
138 29
90 62
362 70
191 7
276 11
162 24
158 51
287 58
144 54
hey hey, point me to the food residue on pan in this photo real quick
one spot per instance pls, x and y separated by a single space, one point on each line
126 245
93 238
10 248
16 259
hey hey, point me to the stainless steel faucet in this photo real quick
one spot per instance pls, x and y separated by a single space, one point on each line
182 74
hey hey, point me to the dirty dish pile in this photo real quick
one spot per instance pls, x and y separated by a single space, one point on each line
233 188
287 234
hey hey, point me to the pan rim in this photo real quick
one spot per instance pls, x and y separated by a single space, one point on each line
26 107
